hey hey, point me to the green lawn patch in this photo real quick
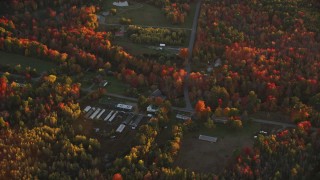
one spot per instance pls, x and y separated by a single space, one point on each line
14 59
202 156
133 48
116 86
140 49
223 130
145 14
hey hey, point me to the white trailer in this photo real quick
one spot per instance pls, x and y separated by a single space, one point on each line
90 112
120 128
113 116
108 116
95 113
99 115
87 108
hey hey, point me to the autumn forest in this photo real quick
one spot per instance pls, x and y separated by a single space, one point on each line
160 89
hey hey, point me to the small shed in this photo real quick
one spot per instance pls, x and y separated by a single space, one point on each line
208 138
221 120
157 93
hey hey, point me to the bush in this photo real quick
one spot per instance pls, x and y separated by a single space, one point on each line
125 21
113 11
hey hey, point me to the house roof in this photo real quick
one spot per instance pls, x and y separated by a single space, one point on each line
157 93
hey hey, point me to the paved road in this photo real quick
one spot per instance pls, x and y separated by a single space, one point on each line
263 121
190 49
23 77
285 125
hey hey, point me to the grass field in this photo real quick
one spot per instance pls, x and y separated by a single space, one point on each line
133 48
116 86
14 59
145 14
202 156
139 49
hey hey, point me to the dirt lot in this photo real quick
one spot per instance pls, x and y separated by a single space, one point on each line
112 143
202 156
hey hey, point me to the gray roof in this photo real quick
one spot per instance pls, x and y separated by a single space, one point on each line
208 138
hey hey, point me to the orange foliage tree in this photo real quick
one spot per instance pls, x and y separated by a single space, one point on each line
202 111
183 53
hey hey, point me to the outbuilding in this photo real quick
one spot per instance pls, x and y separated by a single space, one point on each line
208 138
120 128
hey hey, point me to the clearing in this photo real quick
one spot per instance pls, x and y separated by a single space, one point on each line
141 49
201 156
89 81
145 14
14 59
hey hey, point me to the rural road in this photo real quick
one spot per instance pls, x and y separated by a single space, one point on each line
285 125
191 111
263 121
190 49
260 121
22 76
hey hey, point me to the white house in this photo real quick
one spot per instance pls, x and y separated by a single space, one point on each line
152 109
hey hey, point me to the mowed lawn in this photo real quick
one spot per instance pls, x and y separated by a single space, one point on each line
14 59
202 156
140 49
146 15
116 86
134 48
